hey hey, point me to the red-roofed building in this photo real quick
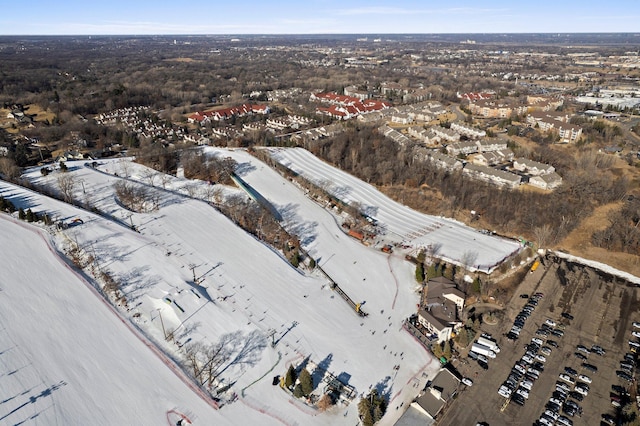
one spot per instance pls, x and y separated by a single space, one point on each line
227 113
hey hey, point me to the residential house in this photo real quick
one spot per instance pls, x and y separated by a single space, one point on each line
548 181
492 108
492 158
495 176
531 167
440 391
395 136
467 131
494 144
449 135
401 118
463 147
354 92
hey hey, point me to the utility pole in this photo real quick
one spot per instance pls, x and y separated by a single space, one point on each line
162 323
193 271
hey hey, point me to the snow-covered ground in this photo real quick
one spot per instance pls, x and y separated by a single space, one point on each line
247 291
446 238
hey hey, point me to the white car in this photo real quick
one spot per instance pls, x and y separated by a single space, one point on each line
582 391
584 378
541 358
537 341
546 350
523 392
550 322
635 333
567 378
527 359
520 368
467 381
504 391
636 324
527 384
545 421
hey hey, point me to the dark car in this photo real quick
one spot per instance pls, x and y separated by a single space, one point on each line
567 315
483 364
589 367
569 411
517 398
619 389
576 395
512 336
524 296
580 356
552 343
624 375
570 371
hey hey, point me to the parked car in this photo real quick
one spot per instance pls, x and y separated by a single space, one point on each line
570 371
589 367
524 296
577 396
635 333
552 343
582 348
467 381
584 378
567 378
567 315
546 350
636 324
550 322
504 391
517 398
580 356
624 375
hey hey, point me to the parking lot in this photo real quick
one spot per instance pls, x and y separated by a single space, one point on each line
603 311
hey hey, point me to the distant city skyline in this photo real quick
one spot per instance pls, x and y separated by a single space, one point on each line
72 17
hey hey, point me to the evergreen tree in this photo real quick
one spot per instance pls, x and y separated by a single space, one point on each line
446 352
63 167
21 214
290 377
431 271
419 273
437 350
29 216
312 263
306 382
372 408
297 391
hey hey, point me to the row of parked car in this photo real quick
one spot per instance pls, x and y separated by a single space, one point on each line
525 372
525 313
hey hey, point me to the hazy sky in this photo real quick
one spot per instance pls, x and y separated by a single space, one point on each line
316 16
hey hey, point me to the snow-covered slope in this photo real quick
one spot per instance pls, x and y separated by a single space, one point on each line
66 358
446 238
247 291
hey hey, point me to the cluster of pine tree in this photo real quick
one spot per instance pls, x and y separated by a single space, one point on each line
371 408
31 216
304 385
6 205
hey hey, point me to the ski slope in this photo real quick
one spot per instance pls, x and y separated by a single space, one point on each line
445 238
65 357
248 291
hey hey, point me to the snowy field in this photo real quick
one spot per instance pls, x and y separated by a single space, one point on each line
446 238
247 291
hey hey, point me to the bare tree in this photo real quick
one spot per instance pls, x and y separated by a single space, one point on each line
542 235
67 184
9 169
